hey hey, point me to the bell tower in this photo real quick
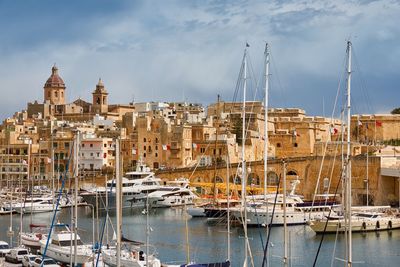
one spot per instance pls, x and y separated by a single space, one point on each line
54 88
100 98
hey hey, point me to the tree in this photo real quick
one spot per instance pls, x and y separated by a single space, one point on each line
395 111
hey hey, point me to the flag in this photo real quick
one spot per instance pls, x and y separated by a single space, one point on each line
334 130
295 133
166 147
359 123
48 160
134 151
24 162
378 123
194 146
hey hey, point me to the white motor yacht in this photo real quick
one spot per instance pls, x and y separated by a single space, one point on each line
61 246
135 186
175 193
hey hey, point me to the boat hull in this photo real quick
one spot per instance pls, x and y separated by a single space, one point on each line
127 260
128 201
64 254
379 224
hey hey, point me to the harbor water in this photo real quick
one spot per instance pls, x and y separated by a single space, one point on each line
208 243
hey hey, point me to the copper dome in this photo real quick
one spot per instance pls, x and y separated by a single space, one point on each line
54 80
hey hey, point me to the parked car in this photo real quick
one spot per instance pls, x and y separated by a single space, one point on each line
28 260
16 255
48 262
4 248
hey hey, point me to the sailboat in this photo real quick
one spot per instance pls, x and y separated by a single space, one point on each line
128 256
353 221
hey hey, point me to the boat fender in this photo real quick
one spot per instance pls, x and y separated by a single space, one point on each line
364 225
390 224
378 225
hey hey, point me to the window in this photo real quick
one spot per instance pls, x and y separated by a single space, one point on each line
105 145
202 150
272 178
98 154
91 154
156 140
326 183
91 145
144 139
83 145
295 145
156 148
156 155
144 148
66 144
56 94
278 145
144 155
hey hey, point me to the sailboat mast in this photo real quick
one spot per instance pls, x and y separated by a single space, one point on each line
76 174
244 156
348 169
228 215
118 201
266 122
285 235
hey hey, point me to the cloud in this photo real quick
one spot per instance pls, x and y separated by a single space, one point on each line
174 50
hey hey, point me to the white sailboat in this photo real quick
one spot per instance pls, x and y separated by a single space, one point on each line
363 218
129 256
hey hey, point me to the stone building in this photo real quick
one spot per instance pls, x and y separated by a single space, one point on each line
375 128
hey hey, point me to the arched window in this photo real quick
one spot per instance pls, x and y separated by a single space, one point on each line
272 178
219 179
56 94
253 179
235 179
98 101
144 139
292 172
326 183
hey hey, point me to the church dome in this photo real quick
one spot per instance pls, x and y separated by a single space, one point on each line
54 80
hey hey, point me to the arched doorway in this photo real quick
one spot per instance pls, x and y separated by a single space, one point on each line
272 178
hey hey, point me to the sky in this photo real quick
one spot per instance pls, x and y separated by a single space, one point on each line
192 51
